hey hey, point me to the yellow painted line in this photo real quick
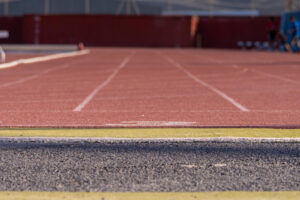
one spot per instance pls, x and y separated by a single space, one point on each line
153 133
150 196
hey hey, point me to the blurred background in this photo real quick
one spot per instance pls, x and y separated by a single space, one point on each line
144 23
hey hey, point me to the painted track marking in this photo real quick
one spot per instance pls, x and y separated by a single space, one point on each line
132 111
268 75
43 58
151 123
275 76
214 61
35 76
104 84
196 79
233 195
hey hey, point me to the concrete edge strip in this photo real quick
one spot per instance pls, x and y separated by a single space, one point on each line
40 47
156 133
233 195
107 139
43 58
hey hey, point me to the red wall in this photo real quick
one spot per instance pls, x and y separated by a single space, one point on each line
225 32
14 25
143 31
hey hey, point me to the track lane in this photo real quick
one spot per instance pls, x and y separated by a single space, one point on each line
150 89
64 84
255 88
90 97
140 81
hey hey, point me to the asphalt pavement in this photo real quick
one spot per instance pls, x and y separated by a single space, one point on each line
149 166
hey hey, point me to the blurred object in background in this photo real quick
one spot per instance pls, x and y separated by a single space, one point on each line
80 46
146 23
284 45
287 28
2 55
149 7
272 33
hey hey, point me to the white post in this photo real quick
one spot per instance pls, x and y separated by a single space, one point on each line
2 55
288 5
6 8
37 29
169 6
120 7
253 6
87 7
136 7
128 7
211 7
46 8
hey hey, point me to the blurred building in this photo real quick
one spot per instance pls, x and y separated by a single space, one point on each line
148 7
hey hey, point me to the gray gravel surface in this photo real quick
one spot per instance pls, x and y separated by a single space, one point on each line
149 166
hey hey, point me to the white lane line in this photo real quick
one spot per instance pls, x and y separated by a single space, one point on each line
235 66
146 111
43 58
104 84
35 76
196 79
152 123
212 60
276 77
268 75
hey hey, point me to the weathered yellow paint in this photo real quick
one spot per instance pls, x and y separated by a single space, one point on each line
153 133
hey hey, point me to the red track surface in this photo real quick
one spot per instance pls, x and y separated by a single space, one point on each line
150 90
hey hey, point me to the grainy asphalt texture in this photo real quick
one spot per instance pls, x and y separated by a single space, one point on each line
149 166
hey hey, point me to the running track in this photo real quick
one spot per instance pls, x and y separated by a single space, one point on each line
154 87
